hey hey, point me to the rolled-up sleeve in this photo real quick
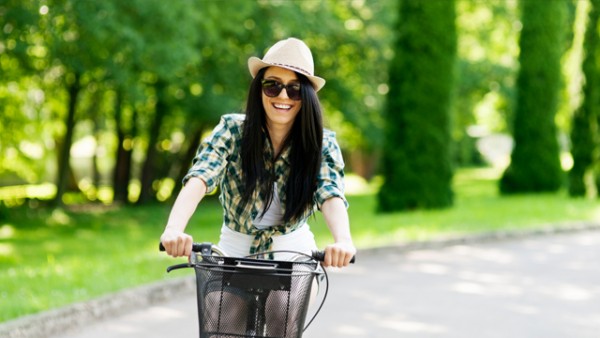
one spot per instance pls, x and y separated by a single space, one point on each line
331 175
211 158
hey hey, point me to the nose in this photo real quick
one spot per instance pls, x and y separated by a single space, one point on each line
282 95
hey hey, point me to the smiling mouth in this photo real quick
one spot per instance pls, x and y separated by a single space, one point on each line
282 106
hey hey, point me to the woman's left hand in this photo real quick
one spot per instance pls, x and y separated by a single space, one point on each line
339 254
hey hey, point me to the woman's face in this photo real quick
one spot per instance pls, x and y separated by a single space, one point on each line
280 110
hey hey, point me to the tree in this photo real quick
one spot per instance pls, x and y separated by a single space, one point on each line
353 50
535 163
23 119
146 68
585 120
416 163
72 29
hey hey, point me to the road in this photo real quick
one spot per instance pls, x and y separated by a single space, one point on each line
547 286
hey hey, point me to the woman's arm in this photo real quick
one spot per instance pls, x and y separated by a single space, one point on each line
342 250
176 242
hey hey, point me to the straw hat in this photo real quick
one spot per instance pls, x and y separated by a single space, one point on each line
292 54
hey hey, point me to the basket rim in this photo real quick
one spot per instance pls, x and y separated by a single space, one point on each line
274 271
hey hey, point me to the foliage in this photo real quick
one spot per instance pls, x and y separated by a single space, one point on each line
122 49
200 59
585 120
416 163
535 164
24 103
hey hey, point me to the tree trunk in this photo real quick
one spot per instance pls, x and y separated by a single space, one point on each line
97 120
416 162
122 172
64 155
147 193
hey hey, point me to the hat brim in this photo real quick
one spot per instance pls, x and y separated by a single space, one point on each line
255 64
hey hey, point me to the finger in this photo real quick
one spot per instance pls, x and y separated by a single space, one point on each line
340 260
348 259
327 260
168 243
343 258
168 247
335 260
180 246
173 249
188 246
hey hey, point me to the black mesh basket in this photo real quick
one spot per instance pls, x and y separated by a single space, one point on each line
247 297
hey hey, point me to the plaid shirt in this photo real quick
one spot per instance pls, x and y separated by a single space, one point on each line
218 163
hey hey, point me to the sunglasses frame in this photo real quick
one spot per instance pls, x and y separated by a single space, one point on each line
291 91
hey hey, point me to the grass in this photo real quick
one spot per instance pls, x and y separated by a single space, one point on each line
477 208
51 258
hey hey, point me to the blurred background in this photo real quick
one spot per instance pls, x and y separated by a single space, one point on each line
454 116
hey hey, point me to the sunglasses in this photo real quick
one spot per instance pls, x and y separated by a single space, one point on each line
272 88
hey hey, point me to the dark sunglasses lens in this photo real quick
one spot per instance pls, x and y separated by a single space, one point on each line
293 92
272 88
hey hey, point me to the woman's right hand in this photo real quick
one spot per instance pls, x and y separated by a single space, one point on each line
176 242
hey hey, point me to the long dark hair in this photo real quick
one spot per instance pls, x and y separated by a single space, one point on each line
305 140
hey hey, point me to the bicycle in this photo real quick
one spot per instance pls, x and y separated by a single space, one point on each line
253 297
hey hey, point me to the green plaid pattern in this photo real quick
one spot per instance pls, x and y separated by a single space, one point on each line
218 163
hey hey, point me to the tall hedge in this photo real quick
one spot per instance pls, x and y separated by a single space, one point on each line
417 161
585 125
535 160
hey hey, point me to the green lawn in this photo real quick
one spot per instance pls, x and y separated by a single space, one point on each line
477 208
50 258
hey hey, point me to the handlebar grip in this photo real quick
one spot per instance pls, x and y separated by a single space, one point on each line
196 247
319 255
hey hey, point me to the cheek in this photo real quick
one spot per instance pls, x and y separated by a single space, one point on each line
297 109
266 102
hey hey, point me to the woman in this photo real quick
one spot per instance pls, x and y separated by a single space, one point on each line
274 166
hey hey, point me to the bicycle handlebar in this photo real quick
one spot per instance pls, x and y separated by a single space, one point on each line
318 255
196 247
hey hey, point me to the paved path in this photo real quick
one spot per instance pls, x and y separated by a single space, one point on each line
547 286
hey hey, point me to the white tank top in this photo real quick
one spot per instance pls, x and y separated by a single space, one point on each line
273 216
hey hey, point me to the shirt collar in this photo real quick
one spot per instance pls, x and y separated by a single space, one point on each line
285 153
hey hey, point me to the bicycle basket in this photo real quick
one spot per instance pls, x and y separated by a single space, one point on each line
246 297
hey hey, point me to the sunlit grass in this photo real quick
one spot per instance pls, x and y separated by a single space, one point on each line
478 207
50 258
14 195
